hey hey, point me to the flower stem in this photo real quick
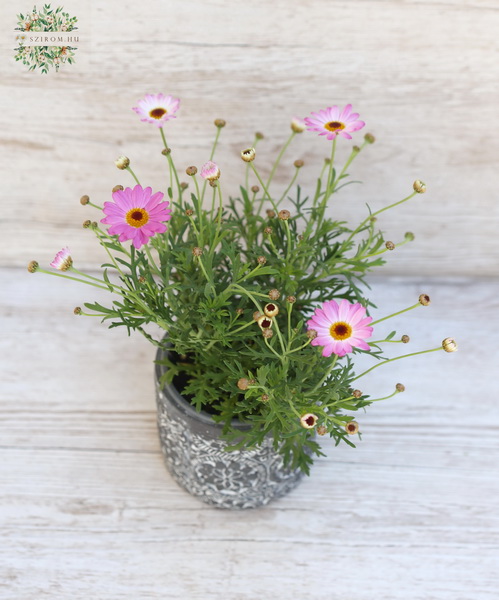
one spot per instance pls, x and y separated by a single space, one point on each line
132 174
394 359
328 372
288 188
279 156
170 161
102 287
395 314
266 194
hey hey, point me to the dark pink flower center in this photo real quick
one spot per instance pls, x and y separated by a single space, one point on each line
340 330
334 126
157 113
137 217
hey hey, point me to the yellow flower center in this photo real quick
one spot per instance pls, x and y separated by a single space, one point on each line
157 113
137 217
334 126
340 330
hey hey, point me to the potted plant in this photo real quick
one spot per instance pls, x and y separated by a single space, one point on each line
257 311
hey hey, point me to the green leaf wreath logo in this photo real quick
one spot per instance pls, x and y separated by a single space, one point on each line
33 26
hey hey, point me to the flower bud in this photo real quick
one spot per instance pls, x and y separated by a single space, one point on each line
166 151
117 188
197 251
409 236
298 163
356 393
87 224
239 311
63 260
400 387
259 135
405 339
419 186
297 125
191 170
271 310
210 171
183 185
243 383
255 189
268 230
284 214
355 149
261 260
274 294
84 200
248 155
311 334
77 310
369 137
189 212
122 162
33 266
390 246
142 279
352 428
267 333
291 299
449 345
308 420
264 398
219 123
270 213
321 430
424 299
264 322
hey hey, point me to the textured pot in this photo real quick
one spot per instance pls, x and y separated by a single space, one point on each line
195 456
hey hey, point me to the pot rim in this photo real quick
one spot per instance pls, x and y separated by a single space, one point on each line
183 405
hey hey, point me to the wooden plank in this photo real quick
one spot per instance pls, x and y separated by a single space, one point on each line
87 508
422 74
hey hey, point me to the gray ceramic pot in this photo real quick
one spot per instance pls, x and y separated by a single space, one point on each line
195 456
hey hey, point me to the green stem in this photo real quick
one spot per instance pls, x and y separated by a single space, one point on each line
153 262
328 372
279 156
272 349
100 281
101 287
395 314
385 398
132 174
266 194
394 359
170 161
288 188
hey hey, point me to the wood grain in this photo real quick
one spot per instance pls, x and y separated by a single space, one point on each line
423 75
87 508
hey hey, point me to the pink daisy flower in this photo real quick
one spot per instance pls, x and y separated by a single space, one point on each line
136 214
62 260
210 171
340 327
157 108
332 122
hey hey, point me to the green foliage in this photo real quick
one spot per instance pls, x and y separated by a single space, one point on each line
205 306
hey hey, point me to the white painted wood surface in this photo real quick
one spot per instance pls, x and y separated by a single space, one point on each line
423 75
87 509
